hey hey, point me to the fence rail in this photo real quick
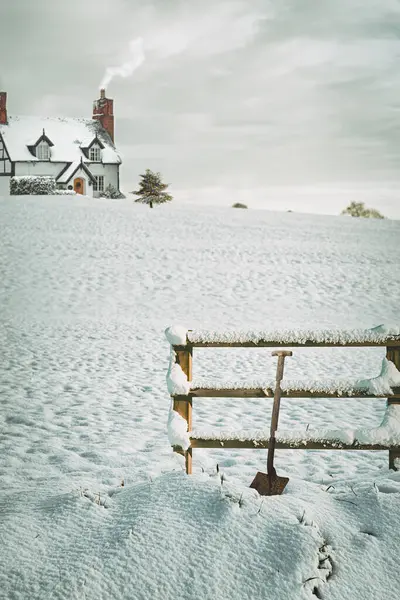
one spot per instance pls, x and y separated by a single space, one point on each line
183 404
262 392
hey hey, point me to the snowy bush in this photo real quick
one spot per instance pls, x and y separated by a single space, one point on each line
65 193
32 185
358 209
111 192
239 205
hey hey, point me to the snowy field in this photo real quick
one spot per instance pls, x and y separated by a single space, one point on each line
87 290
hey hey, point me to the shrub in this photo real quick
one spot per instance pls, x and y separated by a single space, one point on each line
111 192
32 185
358 209
65 193
239 205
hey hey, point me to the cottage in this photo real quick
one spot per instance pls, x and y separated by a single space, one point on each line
79 153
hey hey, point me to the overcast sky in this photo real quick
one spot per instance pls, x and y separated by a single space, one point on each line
243 94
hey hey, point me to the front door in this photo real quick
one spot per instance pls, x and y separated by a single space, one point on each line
79 185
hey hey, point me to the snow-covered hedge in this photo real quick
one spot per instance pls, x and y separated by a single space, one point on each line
112 192
65 193
32 185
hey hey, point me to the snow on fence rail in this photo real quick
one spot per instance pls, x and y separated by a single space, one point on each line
182 390
377 336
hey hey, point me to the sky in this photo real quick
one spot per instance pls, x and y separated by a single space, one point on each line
276 102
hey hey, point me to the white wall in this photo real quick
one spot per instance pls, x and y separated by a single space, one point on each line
4 186
38 168
109 172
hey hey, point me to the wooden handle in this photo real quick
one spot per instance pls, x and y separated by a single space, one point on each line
282 353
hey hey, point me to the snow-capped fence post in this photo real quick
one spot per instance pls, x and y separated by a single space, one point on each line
393 354
184 407
178 380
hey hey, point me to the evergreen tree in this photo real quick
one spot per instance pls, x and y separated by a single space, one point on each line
152 190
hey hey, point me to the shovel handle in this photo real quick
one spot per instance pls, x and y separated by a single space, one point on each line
281 354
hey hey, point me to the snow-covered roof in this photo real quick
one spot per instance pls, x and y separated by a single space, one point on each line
71 170
69 136
66 174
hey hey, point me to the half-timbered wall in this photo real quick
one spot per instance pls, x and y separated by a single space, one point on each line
6 166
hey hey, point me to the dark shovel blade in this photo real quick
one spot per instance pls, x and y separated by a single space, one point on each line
269 485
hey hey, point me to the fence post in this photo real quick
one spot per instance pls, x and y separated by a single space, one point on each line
184 407
393 354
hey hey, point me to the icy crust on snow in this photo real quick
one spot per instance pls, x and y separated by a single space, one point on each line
177 430
294 336
377 386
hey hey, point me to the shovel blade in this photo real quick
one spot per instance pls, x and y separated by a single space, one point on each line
269 485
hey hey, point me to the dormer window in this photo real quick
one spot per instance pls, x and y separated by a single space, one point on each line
94 153
41 148
93 150
43 151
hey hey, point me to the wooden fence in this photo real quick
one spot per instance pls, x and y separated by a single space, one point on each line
184 404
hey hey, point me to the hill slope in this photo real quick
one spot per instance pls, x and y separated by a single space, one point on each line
88 287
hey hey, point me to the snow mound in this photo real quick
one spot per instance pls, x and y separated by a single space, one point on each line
196 537
382 384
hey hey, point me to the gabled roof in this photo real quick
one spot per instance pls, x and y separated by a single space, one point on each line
69 171
87 144
42 138
96 140
67 135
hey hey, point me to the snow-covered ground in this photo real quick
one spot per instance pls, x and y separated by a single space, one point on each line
87 290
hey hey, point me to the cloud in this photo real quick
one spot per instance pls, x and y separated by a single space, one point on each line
214 29
199 34
230 91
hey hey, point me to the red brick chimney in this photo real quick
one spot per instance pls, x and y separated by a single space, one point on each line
103 111
3 108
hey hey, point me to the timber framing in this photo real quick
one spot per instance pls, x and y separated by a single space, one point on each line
7 167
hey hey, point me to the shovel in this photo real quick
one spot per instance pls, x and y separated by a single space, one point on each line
270 484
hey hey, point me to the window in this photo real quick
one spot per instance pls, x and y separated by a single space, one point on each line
94 154
5 167
43 151
98 185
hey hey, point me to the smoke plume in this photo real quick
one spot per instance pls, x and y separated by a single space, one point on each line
127 68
